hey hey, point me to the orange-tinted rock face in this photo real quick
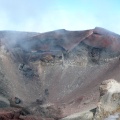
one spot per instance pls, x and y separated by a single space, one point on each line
63 68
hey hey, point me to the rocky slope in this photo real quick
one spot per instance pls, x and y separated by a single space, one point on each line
58 73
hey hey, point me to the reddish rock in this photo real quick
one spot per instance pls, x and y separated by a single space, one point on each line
14 114
9 113
102 38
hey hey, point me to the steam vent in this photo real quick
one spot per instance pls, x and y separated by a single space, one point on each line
57 75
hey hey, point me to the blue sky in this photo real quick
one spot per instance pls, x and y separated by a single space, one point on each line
47 15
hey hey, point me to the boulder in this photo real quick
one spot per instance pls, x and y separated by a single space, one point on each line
109 102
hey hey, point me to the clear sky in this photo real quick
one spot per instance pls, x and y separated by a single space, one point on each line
47 15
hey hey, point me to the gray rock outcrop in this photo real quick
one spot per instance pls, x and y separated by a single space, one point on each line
109 99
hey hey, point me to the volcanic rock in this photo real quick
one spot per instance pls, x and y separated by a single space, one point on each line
109 100
87 115
46 111
9 114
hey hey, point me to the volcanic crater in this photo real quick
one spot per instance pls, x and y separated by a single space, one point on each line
55 74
